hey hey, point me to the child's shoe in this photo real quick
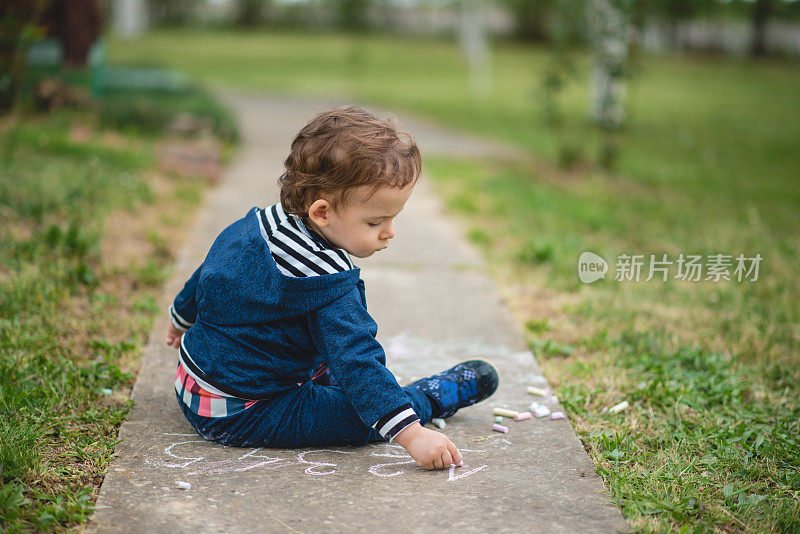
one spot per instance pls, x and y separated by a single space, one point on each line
463 385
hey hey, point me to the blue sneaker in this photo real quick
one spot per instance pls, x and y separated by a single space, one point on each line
463 385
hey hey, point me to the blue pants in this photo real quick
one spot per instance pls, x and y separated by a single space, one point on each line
309 416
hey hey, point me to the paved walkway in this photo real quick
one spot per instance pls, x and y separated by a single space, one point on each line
435 306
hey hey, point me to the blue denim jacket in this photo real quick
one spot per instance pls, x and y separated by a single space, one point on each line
257 333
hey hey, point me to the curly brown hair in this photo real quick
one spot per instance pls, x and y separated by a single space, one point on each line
344 148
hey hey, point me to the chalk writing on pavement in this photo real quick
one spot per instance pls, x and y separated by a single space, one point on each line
186 455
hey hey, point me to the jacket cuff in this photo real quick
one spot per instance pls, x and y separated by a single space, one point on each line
177 321
395 421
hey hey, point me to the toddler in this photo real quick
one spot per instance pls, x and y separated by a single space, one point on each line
276 348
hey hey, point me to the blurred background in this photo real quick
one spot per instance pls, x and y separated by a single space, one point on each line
652 127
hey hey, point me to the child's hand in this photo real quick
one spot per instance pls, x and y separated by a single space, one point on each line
430 449
174 336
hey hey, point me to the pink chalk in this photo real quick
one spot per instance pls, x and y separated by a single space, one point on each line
522 415
500 428
557 415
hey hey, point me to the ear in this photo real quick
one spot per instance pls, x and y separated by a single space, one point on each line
319 212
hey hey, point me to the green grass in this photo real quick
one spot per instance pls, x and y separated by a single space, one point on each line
667 142
150 113
710 369
707 164
76 305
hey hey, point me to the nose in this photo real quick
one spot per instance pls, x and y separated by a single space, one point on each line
388 232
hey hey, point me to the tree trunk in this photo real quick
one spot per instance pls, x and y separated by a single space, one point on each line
77 25
17 23
531 18
610 33
762 11
249 13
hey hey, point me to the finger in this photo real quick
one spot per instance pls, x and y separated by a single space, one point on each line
437 463
457 459
446 459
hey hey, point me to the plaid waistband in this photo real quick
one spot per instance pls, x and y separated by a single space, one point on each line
208 404
203 402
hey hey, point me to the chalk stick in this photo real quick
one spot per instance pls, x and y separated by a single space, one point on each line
504 412
542 411
439 422
537 391
522 416
184 485
557 415
619 407
500 428
498 419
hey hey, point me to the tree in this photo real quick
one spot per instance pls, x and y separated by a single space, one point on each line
351 14
250 13
610 35
762 12
18 30
531 18
474 44
171 12
77 24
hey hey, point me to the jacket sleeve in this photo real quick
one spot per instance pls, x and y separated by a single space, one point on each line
344 333
183 311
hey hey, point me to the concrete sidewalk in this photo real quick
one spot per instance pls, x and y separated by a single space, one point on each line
435 306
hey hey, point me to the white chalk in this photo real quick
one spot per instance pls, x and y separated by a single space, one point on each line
438 422
522 415
184 485
504 412
537 391
541 411
619 407
557 415
106 391
500 428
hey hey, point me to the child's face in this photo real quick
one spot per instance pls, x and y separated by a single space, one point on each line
366 224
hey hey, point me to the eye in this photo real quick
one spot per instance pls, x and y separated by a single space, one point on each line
374 225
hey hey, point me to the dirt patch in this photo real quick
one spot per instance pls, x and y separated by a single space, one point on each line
195 157
132 236
80 133
8 122
135 250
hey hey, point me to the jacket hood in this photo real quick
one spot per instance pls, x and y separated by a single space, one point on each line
240 284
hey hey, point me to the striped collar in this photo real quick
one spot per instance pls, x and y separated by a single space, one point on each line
298 252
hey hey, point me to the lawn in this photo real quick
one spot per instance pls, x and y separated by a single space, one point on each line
706 165
88 229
